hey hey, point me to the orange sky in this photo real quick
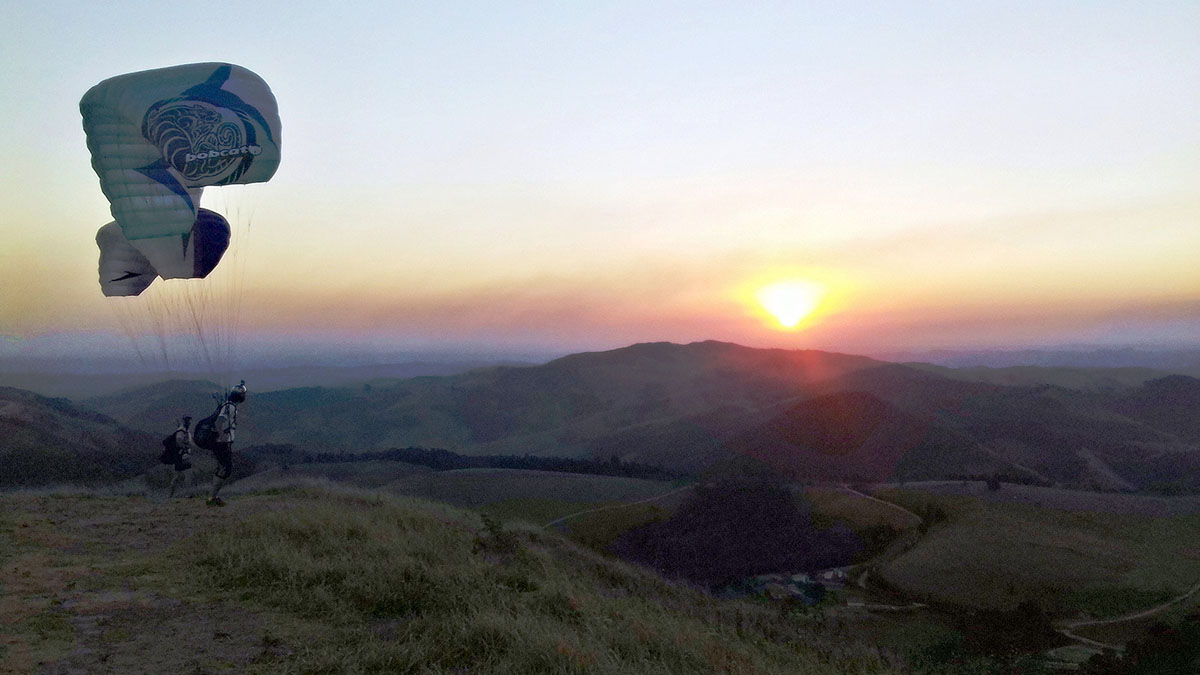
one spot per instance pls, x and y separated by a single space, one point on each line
979 175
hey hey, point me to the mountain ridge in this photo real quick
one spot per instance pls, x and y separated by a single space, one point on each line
690 407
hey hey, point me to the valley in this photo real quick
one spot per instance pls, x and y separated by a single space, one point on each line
1040 518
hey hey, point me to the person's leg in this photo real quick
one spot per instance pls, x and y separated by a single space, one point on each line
183 465
224 455
216 488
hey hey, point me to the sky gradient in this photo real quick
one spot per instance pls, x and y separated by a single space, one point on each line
561 177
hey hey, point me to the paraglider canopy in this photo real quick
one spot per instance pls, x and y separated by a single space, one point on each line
157 138
125 271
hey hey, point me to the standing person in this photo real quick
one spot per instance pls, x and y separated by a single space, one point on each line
226 426
183 453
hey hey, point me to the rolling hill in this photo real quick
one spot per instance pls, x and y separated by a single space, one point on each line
49 440
338 580
856 436
155 407
572 406
816 416
103 379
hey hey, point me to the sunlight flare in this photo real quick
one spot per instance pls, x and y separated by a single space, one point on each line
790 302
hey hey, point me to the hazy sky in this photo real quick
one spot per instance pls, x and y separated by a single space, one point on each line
565 176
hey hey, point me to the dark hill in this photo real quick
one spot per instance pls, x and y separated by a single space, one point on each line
1062 436
51 440
642 383
690 407
841 423
914 390
1171 404
154 408
1109 379
594 404
858 436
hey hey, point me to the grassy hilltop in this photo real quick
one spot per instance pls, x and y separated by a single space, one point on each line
323 579
300 574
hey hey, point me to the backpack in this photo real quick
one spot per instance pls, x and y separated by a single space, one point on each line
205 433
170 453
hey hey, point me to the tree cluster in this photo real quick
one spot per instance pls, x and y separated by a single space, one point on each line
735 529
445 460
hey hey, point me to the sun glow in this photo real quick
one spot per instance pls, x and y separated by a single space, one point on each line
790 302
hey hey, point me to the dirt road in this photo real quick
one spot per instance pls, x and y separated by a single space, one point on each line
916 518
664 495
1067 628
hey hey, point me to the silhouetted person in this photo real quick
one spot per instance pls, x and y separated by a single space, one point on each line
183 453
226 427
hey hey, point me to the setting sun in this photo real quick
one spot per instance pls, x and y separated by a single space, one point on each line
790 301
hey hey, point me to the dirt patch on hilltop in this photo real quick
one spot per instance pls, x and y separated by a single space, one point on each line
87 585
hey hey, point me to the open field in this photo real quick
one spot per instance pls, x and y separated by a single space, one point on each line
996 552
1120 632
331 579
599 526
370 474
474 488
837 503
1059 498
535 497
599 508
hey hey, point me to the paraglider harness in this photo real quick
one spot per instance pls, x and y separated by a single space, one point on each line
205 434
173 454
170 453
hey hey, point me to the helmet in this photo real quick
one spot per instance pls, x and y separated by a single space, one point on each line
238 393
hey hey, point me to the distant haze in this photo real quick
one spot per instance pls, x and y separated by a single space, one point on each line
100 353
1183 360
91 365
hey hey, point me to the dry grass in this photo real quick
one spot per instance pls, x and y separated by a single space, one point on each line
409 586
474 488
1121 632
1068 500
325 578
998 554
837 504
359 474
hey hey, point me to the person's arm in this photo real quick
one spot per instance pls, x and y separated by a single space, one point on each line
225 420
